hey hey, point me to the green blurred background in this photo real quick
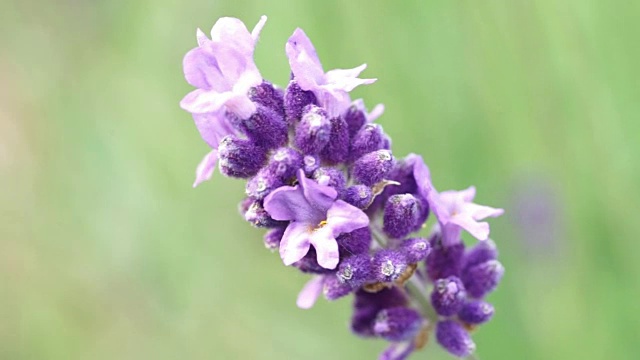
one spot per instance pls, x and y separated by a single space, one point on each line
106 252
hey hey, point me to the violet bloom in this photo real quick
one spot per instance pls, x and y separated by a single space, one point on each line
317 218
453 209
330 88
455 212
222 69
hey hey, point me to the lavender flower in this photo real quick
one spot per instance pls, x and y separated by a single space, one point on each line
320 178
330 88
317 218
455 212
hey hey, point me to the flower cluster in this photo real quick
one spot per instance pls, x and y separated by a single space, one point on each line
321 177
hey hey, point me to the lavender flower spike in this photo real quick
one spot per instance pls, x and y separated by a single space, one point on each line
330 88
317 218
455 212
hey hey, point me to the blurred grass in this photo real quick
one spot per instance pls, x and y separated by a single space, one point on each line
106 251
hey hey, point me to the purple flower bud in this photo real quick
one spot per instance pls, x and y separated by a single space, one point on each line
309 264
311 164
295 100
369 138
386 142
244 205
356 242
272 238
482 251
415 249
367 305
337 149
269 96
359 196
388 265
239 157
313 131
454 338
481 279
281 168
355 270
266 128
259 217
355 118
397 323
372 167
400 215
331 177
448 296
334 288
398 351
444 261
476 312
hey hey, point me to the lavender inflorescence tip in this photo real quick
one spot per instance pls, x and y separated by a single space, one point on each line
335 201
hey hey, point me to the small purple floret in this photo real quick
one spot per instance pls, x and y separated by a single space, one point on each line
355 270
313 131
337 149
387 265
359 196
265 127
482 251
444 261
448 296
331 177
454 338
334 288
295 100
397 323
272 238
268 95
281 169
355 242
258 217
367 305
401 214
481 279
476 312
369 138
415 249
239 157
373 167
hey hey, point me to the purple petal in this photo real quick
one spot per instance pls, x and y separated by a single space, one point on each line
255 33
450 234
346 79
320 197
289 203
479 230
377 111
422 176
205 169
234 34
295 242
344 218
213 127
201 37
204 101
397 351
201 70
326 247
310 293
479 212
304 61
